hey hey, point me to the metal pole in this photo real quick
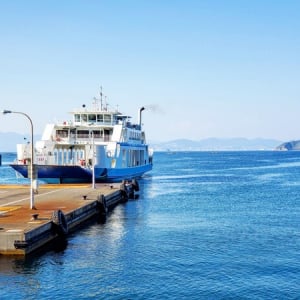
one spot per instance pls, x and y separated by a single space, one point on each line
31 163
31 158
93 161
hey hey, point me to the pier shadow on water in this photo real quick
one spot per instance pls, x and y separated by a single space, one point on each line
29 264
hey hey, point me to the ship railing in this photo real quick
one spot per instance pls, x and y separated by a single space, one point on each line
94 123
82 139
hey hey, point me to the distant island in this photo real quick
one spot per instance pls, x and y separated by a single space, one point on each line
289 146
217 144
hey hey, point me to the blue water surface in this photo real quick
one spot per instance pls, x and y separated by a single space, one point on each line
207 225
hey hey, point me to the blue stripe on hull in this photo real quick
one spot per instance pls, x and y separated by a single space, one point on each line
115 174
77 174
62 174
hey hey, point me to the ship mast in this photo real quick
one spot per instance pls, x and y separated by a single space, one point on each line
96 101
101 100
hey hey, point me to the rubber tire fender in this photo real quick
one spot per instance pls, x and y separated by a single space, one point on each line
135 185
124 192
60 222
103 203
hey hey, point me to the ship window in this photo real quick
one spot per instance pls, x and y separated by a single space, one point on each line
82 133
77 118
97 134
84 118
100 118
92 118
107 118
62 133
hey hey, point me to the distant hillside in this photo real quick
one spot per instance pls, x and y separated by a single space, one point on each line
217 144
8 141
292 145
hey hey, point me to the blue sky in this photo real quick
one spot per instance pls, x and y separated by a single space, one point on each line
202 68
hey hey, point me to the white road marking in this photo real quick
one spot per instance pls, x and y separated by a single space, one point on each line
27 198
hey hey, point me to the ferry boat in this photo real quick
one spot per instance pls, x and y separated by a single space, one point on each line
97 145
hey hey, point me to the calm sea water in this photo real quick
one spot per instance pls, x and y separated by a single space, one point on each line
207 225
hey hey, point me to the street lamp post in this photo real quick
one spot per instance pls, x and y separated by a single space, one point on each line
31 159
93 162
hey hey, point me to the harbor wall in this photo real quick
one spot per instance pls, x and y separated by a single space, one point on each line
24 242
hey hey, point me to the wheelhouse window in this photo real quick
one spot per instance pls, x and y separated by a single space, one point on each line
107 118
92 118
84 118
77 118
100 118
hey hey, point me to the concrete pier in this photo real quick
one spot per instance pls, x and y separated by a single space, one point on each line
59 210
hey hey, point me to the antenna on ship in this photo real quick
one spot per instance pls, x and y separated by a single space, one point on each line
95 104
101 100
106 104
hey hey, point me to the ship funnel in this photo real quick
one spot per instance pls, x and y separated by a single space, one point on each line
140 116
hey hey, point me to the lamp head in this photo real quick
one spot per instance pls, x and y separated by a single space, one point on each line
6 111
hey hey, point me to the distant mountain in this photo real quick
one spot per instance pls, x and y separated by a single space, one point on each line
8 141
217 144
292 145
